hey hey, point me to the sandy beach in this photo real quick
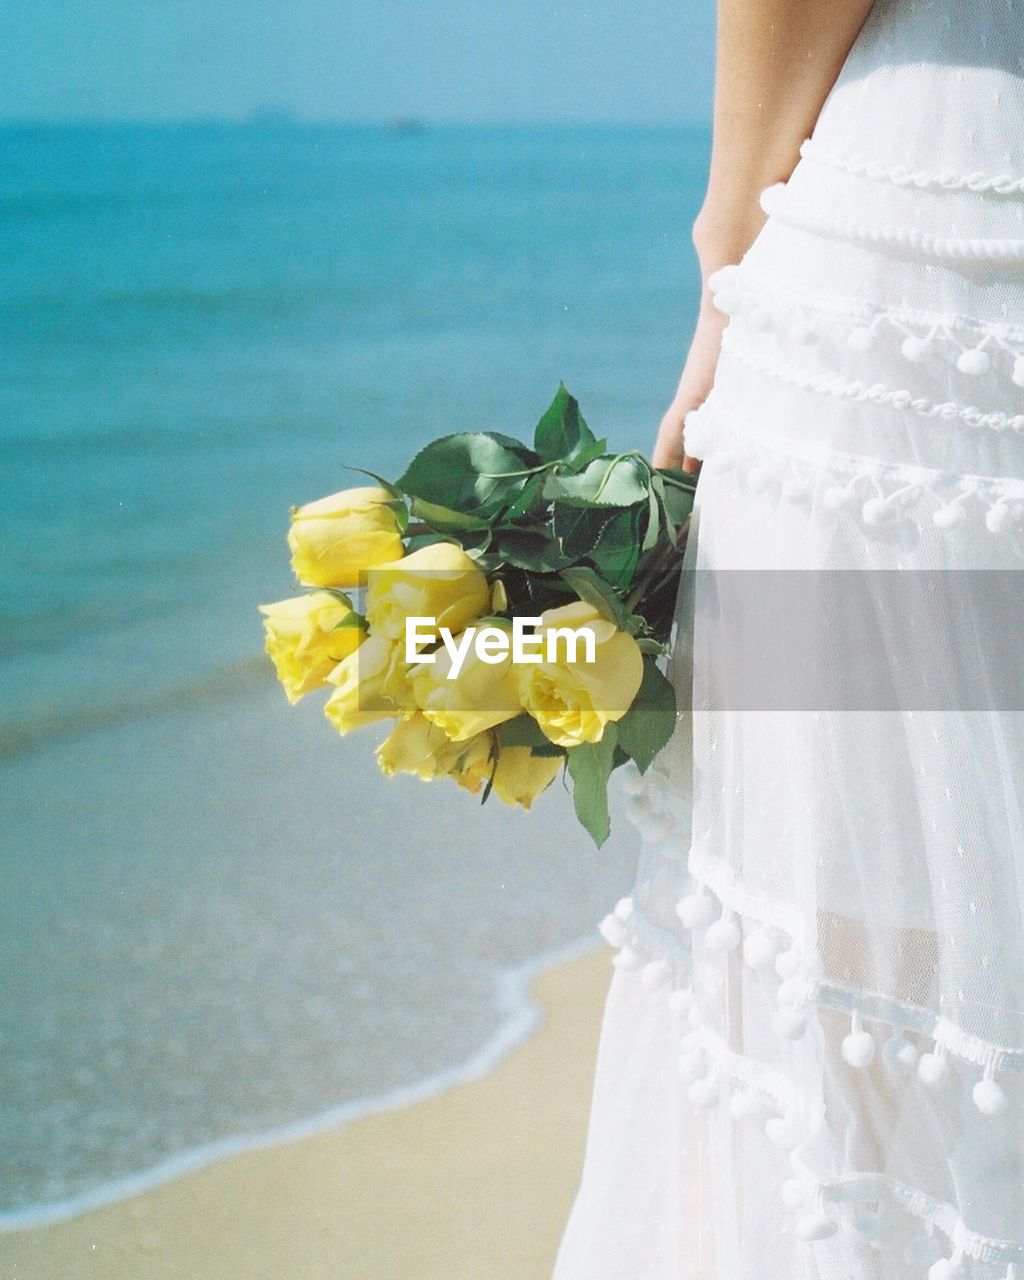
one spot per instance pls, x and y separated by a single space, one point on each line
474 1184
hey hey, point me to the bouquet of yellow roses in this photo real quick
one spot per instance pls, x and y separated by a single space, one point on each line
504 606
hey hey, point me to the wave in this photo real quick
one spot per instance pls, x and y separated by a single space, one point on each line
225 682
522 1017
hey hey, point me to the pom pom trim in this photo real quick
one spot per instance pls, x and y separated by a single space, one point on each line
918 335
881 495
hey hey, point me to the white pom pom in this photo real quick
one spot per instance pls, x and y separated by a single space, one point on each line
835 498
760 320
691 1066
989 1097
728 301
695 910
862 339
614 931
915 349
724 934
703 1094
1018 371
696 435
859 1048
933 1069
790 1023
898 1054
922 1251
998 518
793 1193
816 1226
868 1225
759 479
787 963
680 1000
877 511
655 974
878 1227
951 514
745 1104
780 1133
624 909
974 362
759 949
804 335
628 958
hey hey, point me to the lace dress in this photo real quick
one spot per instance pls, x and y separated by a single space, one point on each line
812 1058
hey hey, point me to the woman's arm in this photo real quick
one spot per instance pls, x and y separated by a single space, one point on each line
776 61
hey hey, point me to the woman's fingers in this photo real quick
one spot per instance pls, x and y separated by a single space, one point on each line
695 383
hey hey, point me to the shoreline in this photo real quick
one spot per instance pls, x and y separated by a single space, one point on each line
522 1017
478 1179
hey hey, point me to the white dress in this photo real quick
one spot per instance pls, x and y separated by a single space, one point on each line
812 1058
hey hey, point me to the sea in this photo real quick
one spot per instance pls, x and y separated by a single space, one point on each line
219 926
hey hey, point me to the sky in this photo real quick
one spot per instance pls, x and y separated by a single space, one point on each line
631 61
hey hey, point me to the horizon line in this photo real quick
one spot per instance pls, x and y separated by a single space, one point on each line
400 121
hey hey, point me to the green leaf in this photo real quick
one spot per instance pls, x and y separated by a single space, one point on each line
605 482
531 500
617 550
561 434
676 491
578 528
653 530
524 731
475 473
445 518
350 620
590 586
530 549
384 484
648 724
420 540
590 766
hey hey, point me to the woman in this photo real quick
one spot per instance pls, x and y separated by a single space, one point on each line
812 1061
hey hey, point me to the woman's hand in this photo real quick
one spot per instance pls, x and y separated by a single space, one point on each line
694 384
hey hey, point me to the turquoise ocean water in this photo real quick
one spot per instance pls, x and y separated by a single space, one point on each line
217 920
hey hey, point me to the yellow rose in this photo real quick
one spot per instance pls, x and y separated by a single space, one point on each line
572 701
521 776
304 640
334 539
439 581
371 684
482 695
418 747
